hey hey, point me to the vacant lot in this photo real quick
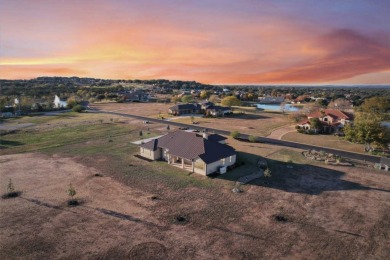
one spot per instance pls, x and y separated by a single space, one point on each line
324 141
135 209
252 122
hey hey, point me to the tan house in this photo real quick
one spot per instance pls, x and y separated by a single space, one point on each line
203 154
331 119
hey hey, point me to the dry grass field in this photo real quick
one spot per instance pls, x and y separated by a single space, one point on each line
260 123
131 208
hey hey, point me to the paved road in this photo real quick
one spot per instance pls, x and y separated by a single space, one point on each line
357 156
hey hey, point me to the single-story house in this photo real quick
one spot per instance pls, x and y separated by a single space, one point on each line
218 111
182 109
136 96
332 120
200 153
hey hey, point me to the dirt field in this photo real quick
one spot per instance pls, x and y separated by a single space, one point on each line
260 124
149 210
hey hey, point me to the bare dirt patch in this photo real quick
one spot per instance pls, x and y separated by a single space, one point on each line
308 211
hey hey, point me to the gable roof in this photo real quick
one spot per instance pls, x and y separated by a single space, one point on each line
191 146
185 106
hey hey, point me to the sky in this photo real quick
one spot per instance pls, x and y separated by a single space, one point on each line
209 41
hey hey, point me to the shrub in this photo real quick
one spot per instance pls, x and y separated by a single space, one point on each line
78 108
235 134
252 138
267 173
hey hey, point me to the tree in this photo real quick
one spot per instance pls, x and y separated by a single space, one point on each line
187 99
367 129
10 187
315 124
78 108
235 134
230 101
377 105
71 192
213 98
340 103
204 94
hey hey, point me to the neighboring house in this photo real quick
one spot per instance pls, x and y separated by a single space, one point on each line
218 111
58 103
182 109
332 120
206 104
136 96
203 154
271 100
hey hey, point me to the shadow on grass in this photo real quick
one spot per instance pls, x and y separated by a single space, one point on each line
246 116
296 178
6 143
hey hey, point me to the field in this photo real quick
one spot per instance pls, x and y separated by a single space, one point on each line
131 208
324 141
252 122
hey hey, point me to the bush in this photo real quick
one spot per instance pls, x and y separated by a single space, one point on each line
252 138
78 108
235 134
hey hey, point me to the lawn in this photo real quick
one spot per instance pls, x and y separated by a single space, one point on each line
324 141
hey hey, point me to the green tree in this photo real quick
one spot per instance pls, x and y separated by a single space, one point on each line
230 101
367 129
78 108
377 105
187 99
204 94
315 124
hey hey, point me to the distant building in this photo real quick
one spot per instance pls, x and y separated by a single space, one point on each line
271 100
136 96
58 103
182 109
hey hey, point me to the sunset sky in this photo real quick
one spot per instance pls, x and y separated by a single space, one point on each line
210 41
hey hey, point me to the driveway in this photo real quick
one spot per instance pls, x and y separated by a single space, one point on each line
281 131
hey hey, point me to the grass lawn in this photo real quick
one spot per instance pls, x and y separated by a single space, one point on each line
330 141
85 136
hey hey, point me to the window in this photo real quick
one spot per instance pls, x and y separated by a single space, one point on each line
231 158
223 161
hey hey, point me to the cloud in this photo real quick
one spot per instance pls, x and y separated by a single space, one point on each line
346 54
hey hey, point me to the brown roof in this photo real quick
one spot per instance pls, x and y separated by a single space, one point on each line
191 146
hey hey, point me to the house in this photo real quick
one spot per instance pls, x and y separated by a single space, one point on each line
182 109
271 100
206 104
218 111
136 96
203 154
332 120
58 103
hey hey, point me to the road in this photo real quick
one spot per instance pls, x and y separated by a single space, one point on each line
346 154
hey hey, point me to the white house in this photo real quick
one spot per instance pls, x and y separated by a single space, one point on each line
58 103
